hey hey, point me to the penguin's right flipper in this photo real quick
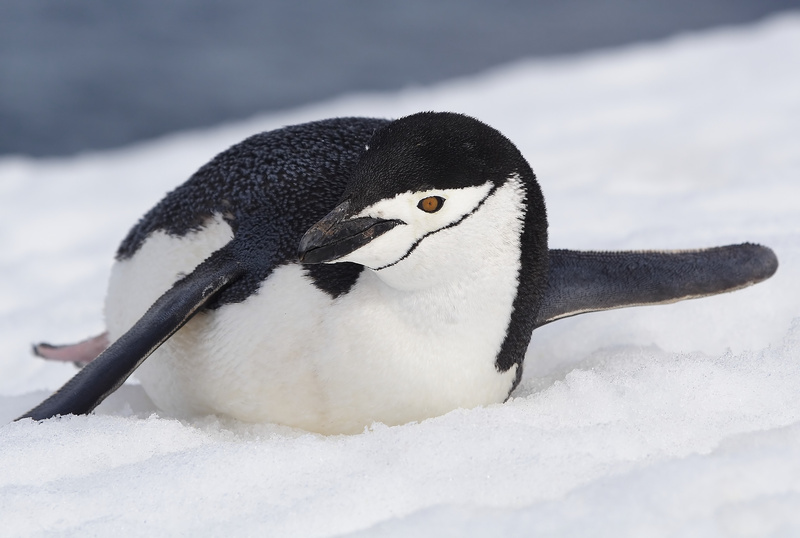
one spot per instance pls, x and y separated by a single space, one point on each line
81 394
581 282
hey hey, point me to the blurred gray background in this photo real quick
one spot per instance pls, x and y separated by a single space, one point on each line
77 75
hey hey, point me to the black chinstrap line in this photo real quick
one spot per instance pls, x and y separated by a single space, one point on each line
452 224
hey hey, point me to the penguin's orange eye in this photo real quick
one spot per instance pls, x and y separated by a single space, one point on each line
431 204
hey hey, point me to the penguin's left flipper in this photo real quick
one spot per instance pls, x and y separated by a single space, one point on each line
582 282
102 376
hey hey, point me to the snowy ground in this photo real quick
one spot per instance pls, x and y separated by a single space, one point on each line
674 420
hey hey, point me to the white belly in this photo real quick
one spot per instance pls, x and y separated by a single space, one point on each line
291 354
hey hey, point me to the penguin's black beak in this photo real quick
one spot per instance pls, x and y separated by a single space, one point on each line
336 235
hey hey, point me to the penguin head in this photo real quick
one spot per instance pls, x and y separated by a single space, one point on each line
420 180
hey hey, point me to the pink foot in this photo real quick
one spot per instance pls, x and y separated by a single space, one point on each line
81 353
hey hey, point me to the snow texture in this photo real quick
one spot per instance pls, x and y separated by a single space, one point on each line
673 420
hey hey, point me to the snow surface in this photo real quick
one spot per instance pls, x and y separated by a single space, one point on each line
673 420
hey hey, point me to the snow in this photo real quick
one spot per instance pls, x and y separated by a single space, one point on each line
672 420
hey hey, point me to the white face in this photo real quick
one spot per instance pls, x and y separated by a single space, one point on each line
424 214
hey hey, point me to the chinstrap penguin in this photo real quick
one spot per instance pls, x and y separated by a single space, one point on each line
334 274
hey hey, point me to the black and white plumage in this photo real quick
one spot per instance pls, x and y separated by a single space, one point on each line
338 273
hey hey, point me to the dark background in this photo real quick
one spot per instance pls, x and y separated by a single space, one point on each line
78 75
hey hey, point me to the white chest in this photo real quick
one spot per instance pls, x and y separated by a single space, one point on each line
328 366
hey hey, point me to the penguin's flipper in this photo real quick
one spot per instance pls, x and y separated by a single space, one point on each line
80 354
582 282
102 376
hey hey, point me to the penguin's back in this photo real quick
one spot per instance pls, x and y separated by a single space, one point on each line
269 189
